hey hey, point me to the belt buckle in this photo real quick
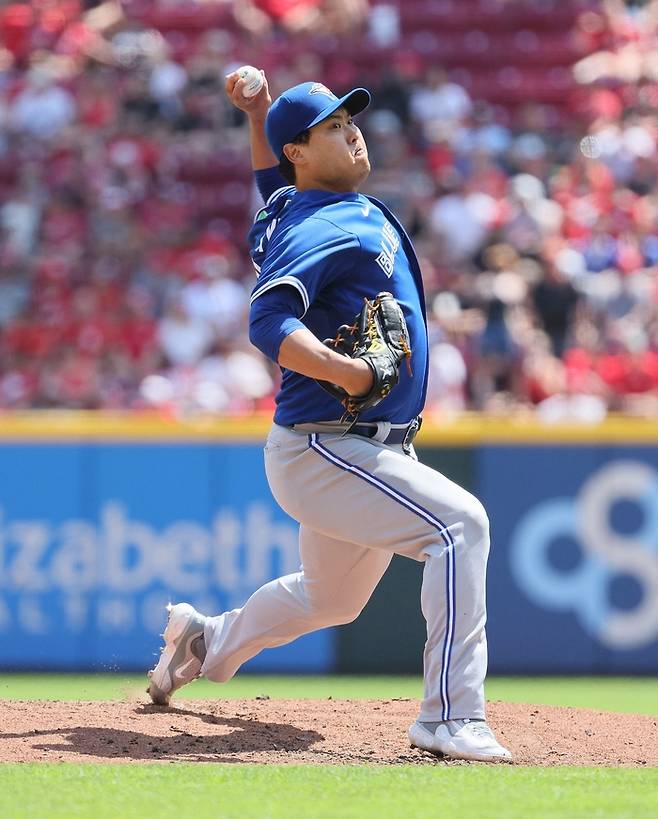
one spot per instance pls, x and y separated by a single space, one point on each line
410 434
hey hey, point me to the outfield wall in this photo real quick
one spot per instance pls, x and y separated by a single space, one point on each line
103 519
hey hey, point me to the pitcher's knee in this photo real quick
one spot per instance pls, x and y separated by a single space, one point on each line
336 615
347 615
476 521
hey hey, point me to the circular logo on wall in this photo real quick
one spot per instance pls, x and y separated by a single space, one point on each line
596 555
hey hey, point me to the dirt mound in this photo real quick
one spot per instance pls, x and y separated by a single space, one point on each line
304 732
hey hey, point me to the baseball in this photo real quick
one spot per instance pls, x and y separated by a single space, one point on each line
253 80
590 147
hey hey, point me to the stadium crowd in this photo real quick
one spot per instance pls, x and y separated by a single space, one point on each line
125 197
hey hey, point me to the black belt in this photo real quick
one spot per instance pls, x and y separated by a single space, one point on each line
398 435
372 429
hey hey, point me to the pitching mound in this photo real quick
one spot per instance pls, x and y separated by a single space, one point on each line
304 732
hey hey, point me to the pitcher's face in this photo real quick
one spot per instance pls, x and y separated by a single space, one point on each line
335 157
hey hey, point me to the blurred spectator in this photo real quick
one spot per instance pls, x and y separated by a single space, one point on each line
384 25
462 220
20 216
42 109
259 17
167 81
184 339
555 300
298 17
439 103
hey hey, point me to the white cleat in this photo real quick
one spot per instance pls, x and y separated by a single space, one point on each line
181 660
459 739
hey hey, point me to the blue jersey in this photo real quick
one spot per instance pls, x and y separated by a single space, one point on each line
335 250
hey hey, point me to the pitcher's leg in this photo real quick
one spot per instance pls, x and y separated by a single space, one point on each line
454 607
353 489
335 582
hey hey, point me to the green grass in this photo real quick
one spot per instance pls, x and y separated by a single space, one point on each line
625 694
631 695
204 791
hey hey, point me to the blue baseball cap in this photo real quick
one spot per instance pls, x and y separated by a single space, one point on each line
304 106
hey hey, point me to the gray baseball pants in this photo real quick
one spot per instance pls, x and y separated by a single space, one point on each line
359 502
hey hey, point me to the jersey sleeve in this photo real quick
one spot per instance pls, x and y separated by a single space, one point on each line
307 257
269 181
273 317
265 223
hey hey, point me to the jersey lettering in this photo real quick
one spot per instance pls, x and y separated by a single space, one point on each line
390 242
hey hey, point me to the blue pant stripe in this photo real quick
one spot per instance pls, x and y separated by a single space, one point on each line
444 532
450 626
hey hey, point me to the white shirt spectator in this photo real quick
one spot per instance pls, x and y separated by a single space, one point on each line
462 222
184 339
167 80
41 109
384 25
247 375
19 220
441 101
447 378
221 302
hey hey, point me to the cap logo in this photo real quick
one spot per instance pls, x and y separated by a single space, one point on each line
318 88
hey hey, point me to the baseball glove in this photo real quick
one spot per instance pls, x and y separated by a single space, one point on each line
380 337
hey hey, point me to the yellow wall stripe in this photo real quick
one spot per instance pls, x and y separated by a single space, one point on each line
62 426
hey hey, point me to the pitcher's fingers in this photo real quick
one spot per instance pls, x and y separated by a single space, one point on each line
231 80
266 85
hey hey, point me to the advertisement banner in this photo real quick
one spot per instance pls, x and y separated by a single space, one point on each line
95 539
573 571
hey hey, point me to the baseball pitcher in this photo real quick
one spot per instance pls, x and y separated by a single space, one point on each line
338 304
